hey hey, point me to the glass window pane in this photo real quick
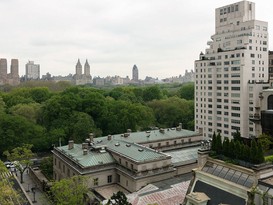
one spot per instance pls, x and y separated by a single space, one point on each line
249 182
236 176
242 179
223 172
229 174
217 170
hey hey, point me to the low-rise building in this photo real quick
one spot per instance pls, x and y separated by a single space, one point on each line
131 160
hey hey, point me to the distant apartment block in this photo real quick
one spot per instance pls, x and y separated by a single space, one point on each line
187 77
32 71
231 72
11 78
81 78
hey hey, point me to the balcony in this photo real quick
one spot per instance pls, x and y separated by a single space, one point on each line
255 118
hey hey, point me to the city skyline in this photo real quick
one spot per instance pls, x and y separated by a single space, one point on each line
162 38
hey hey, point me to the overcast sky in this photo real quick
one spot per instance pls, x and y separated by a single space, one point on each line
162 37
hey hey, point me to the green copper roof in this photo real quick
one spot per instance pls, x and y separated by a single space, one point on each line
134 151
147 136
91 159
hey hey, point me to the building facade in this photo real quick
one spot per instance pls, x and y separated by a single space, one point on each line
237 55
11 78
270 67
32 71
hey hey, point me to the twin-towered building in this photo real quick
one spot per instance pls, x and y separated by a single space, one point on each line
81 78
11 78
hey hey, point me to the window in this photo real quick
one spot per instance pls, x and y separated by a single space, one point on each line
118 178
96 181
109 179
235 88
235 114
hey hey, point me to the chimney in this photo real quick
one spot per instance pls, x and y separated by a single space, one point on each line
91 137
180 125
161 130
85 151
129 130
126 134
109 137
84 146
70 144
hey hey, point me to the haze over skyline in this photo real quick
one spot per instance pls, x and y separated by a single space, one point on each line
163 38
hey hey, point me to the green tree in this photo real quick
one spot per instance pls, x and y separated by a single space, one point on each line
187 91
260 153
231 149
214 142
226 146
8 195
253 151
169 112
2 106
16 130
46 167
237 136
22 155
265 141
152 93
118 198
69 191
237 152
219 145
31 111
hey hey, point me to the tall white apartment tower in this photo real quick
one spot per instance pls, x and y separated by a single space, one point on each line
32 71
231 72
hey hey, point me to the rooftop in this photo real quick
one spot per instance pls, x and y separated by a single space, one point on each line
91 159
147 136
183 156
134 151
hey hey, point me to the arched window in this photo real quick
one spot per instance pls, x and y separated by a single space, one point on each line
270 102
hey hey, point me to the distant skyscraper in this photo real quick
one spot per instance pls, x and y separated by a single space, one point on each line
14 68
32 71
3 71
135 73
86 68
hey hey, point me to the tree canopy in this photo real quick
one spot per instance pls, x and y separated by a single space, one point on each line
69 191
43 116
